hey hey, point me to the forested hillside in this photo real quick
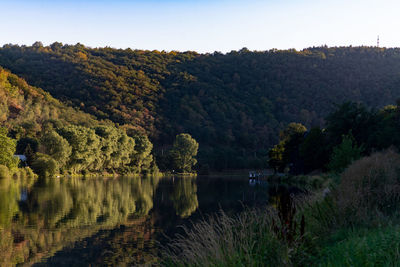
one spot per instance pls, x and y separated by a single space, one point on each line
233 104
59 139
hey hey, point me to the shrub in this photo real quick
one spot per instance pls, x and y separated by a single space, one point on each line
25 175
370 187
344 154
4 177
44 165
4 173
29 173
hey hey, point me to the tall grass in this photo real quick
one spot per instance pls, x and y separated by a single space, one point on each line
246 239
362 247
355 224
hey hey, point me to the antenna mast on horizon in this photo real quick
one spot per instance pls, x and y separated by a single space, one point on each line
377 42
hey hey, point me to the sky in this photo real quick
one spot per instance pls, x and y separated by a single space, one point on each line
201 25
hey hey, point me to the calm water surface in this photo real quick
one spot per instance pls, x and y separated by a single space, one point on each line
103 221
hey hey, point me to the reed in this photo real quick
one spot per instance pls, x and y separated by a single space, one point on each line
246 239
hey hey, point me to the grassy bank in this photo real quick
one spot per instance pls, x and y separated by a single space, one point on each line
354 223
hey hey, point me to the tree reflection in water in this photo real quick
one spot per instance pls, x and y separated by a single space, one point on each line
106 221
184 196
57 212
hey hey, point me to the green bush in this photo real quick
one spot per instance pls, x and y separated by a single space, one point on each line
29 173
344 154
25 175
7 150
44 165
370 188
4 177
4 172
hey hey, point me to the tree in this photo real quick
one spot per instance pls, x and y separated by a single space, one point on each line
37 44
142 157
24 142
116 148
125 147
57 147
351 117
387 129
44 165
275 160
7 150
344 154
184 197
314 150
293 130
85 148
183 152
287 150
29 154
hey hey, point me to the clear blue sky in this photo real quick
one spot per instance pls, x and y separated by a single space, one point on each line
201 25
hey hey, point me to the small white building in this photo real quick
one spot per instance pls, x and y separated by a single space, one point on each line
21 157
22 160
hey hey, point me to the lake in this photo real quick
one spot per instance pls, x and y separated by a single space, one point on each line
112 221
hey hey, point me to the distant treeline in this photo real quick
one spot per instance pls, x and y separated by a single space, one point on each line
233 104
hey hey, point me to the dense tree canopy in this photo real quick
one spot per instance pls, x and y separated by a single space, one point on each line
352 131
57 138
234 104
